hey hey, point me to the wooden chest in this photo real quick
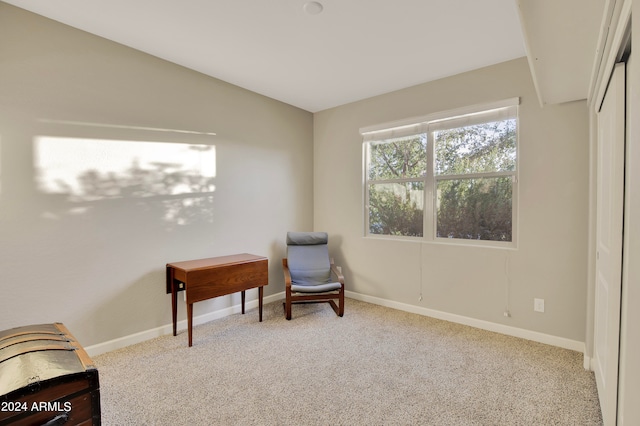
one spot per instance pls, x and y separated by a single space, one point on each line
46 378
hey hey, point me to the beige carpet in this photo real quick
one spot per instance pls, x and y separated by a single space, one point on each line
374 366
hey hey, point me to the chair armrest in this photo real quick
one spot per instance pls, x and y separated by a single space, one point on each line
337 271
287 274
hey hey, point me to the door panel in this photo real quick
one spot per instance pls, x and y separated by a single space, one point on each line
610 211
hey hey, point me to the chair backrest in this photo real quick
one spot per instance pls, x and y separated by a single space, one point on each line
308 258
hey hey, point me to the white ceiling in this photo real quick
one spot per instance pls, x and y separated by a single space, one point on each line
352 50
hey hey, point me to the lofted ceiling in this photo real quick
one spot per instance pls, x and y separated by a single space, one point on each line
314 59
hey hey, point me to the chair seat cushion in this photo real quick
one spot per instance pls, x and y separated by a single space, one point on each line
320 288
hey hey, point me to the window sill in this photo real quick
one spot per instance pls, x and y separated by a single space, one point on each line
511 246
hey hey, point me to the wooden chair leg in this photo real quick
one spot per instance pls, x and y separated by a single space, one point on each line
287 310
339 308
334 307
287 306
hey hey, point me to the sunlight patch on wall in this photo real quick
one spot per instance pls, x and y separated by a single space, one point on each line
168 181
94 169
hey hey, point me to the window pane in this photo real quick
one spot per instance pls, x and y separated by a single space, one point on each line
488 147
475 209
396 208
398 158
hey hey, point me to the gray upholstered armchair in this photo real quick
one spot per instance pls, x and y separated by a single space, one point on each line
310 276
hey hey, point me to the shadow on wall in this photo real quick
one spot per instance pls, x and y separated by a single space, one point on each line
85 173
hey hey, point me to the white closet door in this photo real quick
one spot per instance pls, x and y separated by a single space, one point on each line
610 210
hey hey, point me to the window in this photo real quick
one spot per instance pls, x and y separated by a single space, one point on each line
449 176
396 186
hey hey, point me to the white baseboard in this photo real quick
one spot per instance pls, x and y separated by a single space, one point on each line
561 342
132 339
484 325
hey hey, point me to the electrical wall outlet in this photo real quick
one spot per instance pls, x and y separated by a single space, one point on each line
538 305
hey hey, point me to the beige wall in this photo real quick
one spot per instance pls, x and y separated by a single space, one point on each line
98 265
551 259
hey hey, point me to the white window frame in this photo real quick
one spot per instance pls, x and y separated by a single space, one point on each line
427 125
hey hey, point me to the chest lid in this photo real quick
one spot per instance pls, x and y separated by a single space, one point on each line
39 353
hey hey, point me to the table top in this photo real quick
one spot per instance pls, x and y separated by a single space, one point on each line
212 262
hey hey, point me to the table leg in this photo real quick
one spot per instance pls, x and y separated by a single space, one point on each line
260 292
243 296
174 300
190 322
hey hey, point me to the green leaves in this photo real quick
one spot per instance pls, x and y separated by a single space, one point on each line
475 209
398 158
396 209
489 147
